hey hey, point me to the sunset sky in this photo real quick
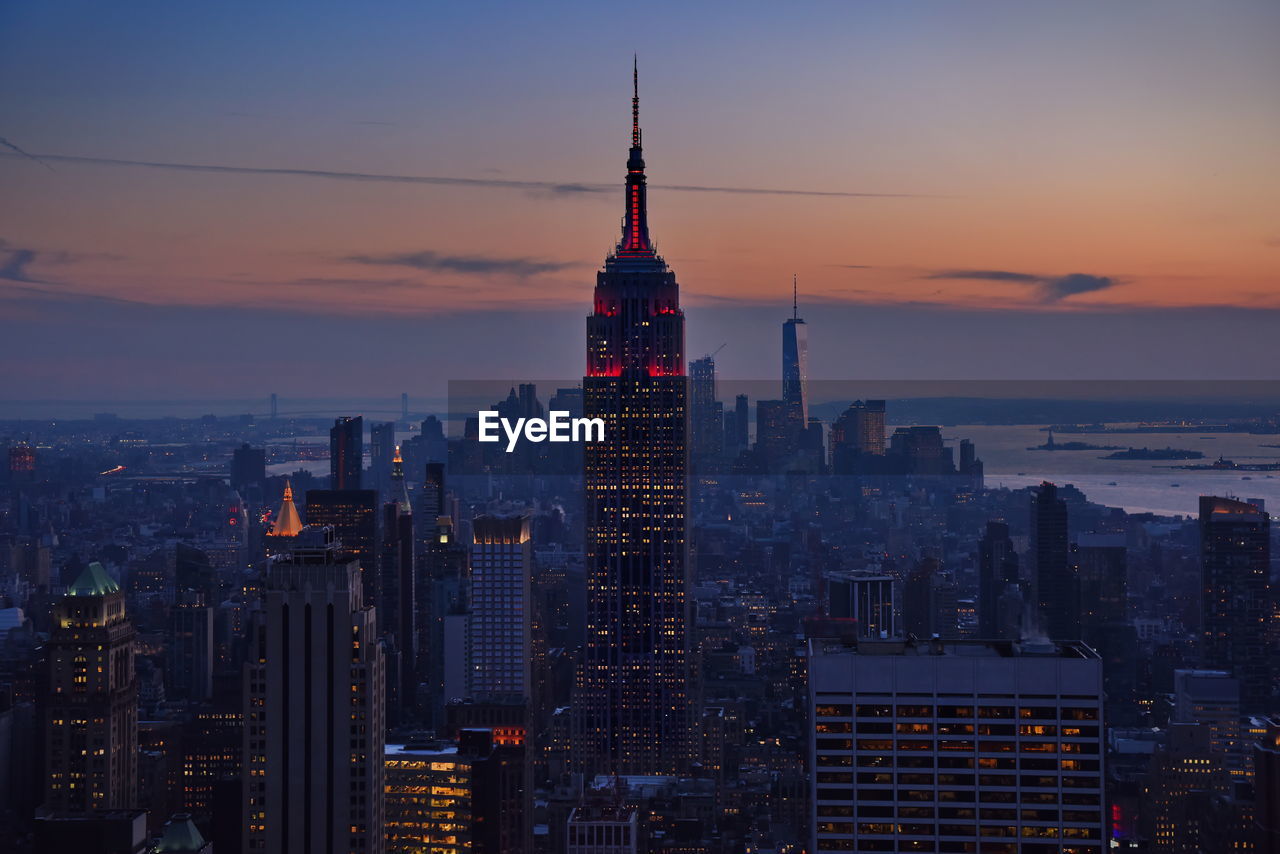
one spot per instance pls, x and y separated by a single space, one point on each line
408 192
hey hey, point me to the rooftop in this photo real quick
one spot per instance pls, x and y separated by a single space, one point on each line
94 581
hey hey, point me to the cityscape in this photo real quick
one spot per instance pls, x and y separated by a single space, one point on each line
723 592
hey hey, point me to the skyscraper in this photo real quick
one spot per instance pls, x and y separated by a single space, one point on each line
501 569
314 716
1057 590
858 433
397 587
287 523
706 414
795 364
633 696
382 450
248 466
1235 561
91 734
867 598
353 515
346 453
997 570
190 652
956 746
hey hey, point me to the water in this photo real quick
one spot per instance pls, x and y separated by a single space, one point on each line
1138 486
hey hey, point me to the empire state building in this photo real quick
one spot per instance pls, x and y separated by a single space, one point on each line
633 701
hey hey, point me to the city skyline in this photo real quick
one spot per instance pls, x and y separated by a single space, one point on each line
981 560
966 174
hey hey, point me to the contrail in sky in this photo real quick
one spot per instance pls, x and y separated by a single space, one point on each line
555 187
7 144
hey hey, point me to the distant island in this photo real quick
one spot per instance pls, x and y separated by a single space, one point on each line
1154 454
1051 445
1224 464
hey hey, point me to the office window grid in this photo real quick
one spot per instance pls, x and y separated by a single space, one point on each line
991 774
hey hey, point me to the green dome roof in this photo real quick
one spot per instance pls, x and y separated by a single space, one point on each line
94 581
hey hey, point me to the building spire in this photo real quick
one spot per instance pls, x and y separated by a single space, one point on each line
287 523
635 241
398 483
795 298
635 100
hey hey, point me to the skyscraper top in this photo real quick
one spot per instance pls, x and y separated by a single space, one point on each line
635 101
94 581
635 243
287 522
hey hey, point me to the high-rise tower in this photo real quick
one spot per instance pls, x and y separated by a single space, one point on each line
795 364
1057 587
91 738
314 714
1236 604
346 452
633 696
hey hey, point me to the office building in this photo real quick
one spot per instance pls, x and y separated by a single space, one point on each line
1236 603
633 696
429 799
382 453
706 415
500 647
867 599
795 364
1057 587
997 573
1266 770
91 728
1211 698
314 715
353 516
604 828
346 453
956 746
248 467
463 795
930 601
919 450
776 435
190 648
397 590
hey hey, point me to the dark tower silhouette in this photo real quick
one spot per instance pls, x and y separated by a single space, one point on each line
1235 560
1057 591
795 367
706 415
633 695
346 453
997 569
397 607
382 448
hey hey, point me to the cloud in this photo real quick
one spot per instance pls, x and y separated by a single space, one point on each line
559 188
14 267
988 275
471 265
1051 288
1273 242
1076 283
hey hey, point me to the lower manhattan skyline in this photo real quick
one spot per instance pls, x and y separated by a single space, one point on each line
883 457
